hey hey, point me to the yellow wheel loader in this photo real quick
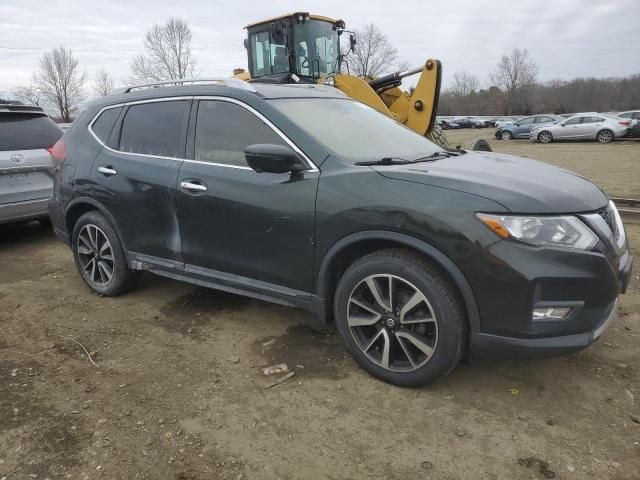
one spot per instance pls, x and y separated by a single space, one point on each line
304 48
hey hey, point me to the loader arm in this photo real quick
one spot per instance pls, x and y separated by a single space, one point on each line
416 109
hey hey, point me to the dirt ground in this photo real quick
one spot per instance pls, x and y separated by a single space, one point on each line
177 392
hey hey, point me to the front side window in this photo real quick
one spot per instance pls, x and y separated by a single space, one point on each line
153 128
316 48
573 121
224 130
354 131
527 121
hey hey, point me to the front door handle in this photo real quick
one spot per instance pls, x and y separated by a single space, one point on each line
193 187
107 170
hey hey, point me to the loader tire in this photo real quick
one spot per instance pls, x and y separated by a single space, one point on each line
437 136
478 145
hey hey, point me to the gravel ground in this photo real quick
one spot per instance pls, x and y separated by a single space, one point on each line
177 392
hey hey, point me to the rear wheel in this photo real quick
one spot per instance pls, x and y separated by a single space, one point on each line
400 318
605 136
506 135
545 137
99 257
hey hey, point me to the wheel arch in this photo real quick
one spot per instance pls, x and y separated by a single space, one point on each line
81 205
345 251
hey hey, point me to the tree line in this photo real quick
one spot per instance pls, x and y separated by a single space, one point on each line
512 87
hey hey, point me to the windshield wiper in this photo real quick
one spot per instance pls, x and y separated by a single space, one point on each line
385 161
436 155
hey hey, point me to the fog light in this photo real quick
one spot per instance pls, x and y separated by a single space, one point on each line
557 313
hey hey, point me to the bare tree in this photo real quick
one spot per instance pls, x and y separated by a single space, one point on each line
464 84
102 83
514 74
60 81
373 55
30 95
168 54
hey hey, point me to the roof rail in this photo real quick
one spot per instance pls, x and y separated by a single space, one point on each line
225 82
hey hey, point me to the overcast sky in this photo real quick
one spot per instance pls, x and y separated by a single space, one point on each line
567 38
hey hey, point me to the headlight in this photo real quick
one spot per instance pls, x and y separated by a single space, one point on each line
560 231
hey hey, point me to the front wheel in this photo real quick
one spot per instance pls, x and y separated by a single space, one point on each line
545 137
506 135
400 318
605 136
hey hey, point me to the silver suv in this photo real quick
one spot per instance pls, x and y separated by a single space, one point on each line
26 138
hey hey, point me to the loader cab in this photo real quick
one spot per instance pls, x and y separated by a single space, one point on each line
295 48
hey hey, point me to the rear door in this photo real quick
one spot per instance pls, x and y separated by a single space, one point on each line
135 175
25 163
257 226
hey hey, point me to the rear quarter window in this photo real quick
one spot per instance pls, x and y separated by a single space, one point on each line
103 125
21 131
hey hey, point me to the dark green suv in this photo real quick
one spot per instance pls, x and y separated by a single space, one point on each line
298 195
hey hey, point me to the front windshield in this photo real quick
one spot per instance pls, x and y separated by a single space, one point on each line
354 131
316 45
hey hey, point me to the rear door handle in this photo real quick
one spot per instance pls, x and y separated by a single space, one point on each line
192 186
107 170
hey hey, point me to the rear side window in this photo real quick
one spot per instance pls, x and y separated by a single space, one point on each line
20 131
224 130
153 128
104 123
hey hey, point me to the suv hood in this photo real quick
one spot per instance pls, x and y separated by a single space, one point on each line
519 184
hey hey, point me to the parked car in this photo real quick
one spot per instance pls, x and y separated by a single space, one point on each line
522 128
633 115
412 250
598 127
501 122
466 122
448 125
25 164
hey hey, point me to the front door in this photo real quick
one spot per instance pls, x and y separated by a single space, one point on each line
136 177
257 226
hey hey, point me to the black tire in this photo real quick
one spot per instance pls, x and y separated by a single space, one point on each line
408 270
478 145
506 135
545 136
605 136
122 278
437 136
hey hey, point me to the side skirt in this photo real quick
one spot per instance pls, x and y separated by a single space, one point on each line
236 284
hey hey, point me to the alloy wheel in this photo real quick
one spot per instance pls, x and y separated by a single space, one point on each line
506 135
392 323
95 255
605 136
545 137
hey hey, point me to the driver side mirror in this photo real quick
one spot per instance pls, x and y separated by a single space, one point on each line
562 124
352 41
270 158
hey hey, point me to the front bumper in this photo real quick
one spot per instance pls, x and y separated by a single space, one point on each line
510 279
